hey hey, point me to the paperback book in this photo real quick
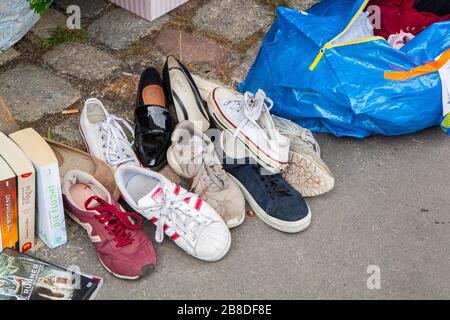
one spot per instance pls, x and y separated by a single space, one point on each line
50 222
9 236
23 277
24 171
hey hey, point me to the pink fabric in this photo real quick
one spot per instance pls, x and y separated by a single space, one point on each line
400 39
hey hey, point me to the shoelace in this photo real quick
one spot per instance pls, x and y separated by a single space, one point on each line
253 105
275 185
116 144
170 209
115 221
209 171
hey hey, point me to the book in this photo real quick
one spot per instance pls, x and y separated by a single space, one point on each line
26 186
50 222
73 159
8 207
23 277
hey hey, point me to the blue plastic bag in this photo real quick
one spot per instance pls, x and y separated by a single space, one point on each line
340 88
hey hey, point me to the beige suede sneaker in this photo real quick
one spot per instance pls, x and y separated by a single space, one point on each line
306 172
192 156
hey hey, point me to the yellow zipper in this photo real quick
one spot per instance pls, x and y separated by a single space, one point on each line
346 43
330 44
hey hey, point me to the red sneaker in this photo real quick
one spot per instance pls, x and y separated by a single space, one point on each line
123 248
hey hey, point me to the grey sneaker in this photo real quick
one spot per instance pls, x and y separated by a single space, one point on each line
192 156
306 171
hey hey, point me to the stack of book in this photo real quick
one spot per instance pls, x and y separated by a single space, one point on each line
30 193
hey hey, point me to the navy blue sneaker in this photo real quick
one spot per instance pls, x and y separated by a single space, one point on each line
271 197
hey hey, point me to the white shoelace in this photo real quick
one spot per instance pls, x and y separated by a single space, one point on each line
116 145
253 105
170 210
209 170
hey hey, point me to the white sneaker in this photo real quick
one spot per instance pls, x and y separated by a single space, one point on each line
181 215
248 119
104 135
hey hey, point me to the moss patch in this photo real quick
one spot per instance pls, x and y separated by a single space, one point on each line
61 35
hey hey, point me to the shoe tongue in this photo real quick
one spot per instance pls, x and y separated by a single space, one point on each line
196 146
191 155
152 198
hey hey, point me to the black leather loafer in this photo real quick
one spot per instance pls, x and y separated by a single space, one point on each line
153 122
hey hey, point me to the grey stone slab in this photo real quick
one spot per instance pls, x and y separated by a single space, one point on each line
67 131
119 28
8 56
49 21
82 61
389 208
191 47
301 4
243 65
232 19
89 8
33 92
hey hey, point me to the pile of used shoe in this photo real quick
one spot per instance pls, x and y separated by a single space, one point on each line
229 149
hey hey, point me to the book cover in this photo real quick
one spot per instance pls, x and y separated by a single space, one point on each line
23 277
50 222
26 195
8 206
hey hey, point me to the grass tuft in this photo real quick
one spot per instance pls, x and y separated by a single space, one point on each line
60 35
39 6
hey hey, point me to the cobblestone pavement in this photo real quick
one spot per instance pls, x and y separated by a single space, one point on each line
389 208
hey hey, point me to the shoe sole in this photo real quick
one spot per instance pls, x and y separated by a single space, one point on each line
259 155
84 140
307 175
144 271
176 168
216 258
237 224
284 226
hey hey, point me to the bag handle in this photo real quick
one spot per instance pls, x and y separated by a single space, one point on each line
420 70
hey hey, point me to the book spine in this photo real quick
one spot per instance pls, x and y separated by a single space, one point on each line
50 215
26 194
1 242
8 213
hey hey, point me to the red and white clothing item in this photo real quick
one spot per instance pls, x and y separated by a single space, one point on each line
398 15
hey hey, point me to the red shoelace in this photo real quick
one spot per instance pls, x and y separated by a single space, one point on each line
116 222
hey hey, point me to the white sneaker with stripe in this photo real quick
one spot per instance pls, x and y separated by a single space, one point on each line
184 217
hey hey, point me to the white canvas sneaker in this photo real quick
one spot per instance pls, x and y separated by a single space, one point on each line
191 223
247 118
104 135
